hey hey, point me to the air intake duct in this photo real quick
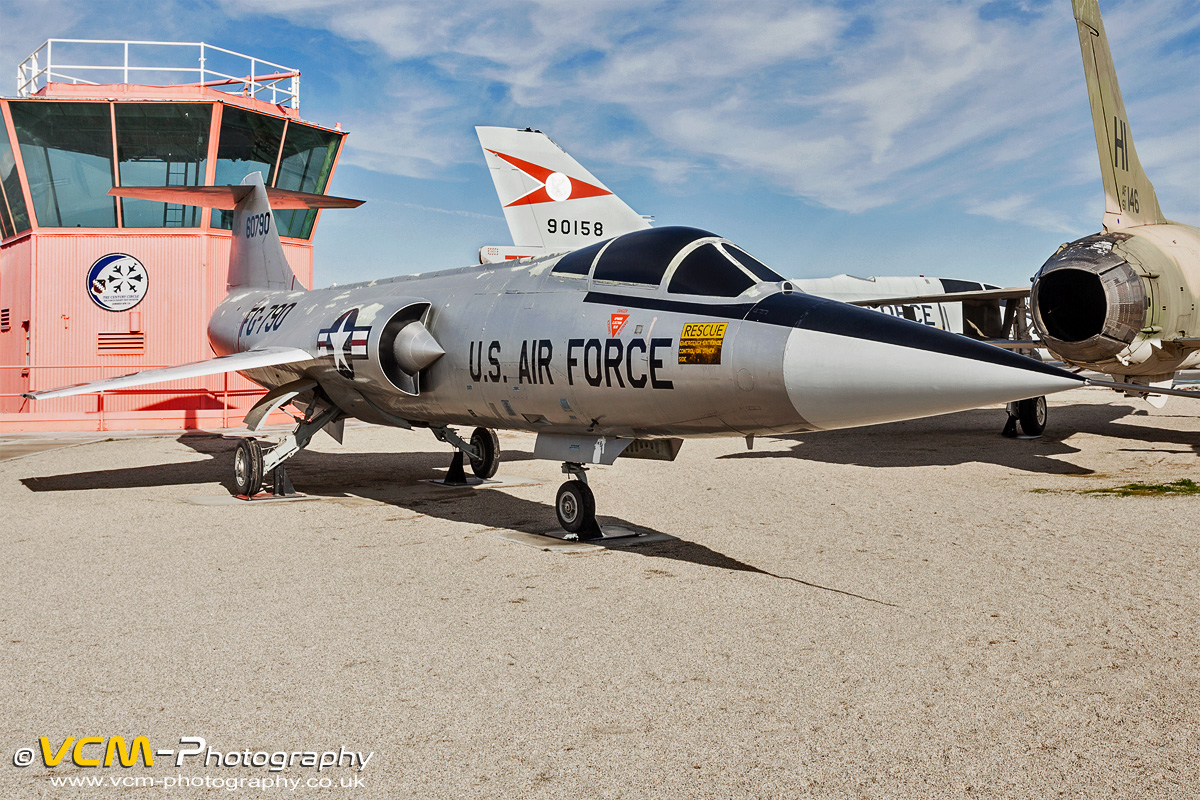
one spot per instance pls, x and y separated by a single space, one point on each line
406 347
399 348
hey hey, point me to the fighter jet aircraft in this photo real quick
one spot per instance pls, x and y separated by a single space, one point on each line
623 347
553 204
1122 301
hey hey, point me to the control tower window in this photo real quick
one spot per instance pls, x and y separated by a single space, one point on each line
249 143
67 150
307 160
6 220
161 144
14 212
708 271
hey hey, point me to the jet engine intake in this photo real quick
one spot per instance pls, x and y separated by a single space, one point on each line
1088 302
406 347
398 345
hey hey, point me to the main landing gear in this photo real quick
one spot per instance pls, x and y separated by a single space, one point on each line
483 450
1031 414
247 467
575 505
249 471
251 463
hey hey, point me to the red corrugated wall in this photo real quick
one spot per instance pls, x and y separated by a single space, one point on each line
17 256
186 272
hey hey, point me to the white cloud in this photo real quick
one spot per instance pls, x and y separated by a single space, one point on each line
1024 209
399 134
850 106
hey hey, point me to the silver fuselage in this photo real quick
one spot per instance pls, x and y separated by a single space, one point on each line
530 349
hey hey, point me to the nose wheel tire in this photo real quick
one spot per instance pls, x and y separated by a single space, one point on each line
487 444
1032 415
576 508
248 467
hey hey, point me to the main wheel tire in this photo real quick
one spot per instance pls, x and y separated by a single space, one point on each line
248 467
1032 414
575 507
487 444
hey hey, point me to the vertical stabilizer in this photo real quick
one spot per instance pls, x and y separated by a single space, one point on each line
256 259
550 201
1129 198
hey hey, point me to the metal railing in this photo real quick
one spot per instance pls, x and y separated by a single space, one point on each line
262 80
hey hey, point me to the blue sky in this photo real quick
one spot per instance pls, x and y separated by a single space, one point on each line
875 137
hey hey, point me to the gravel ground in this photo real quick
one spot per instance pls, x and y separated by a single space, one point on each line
915 610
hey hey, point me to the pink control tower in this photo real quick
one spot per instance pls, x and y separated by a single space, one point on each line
93 286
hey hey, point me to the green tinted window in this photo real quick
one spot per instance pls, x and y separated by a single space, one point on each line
67 150
161 144
307 160
5 225
249 143
16 217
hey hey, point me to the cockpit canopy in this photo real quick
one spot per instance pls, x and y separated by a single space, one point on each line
689 260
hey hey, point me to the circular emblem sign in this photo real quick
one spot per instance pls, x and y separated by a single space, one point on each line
117 282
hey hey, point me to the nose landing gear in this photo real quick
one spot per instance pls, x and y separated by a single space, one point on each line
575 505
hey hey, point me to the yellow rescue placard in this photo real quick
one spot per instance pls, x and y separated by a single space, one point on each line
700 342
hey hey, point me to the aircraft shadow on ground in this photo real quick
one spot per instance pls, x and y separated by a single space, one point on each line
499 510
398 479
974 436
321 469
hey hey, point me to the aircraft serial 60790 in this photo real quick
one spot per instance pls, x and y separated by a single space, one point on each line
623 347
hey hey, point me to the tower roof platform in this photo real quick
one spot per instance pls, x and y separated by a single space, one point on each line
144 70
94 285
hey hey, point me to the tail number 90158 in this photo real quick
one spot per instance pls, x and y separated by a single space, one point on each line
574 227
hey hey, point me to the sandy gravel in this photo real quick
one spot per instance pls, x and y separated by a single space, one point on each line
916 610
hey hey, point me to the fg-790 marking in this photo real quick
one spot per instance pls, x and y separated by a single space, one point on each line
263 318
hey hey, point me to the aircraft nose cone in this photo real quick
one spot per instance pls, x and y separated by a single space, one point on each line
846 366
